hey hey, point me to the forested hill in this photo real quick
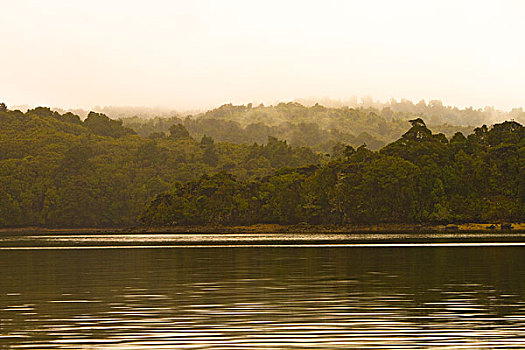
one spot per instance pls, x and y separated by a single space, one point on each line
57 170
317 127
420 178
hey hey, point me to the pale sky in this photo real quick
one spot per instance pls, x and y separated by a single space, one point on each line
200 54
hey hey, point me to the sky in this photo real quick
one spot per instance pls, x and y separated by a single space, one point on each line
200 54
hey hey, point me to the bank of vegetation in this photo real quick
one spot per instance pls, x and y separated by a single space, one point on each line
420 178
57 170
60 171
317 127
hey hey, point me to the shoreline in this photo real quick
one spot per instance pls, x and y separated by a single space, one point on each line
259 236
275 228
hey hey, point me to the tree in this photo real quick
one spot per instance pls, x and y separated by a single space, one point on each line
206 140
179 132
210 156
100 124
418 132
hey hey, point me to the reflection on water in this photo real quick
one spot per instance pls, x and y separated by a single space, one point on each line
263 298
263 239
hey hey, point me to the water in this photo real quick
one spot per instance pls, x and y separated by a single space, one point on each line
263 298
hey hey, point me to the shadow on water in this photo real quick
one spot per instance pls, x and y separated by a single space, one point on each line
253 298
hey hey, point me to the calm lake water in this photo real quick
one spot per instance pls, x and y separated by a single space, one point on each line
263 298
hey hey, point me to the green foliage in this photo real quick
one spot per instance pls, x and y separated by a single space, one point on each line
179 132
317 127
56 170
100 124
420 178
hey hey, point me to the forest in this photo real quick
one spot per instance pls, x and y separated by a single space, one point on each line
60 171
317 127
420 178
240 165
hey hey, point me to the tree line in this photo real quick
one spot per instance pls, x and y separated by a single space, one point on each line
60 171
420 178
318 127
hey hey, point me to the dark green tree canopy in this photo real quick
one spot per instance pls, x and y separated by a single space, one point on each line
58 171
418 132
179 132
101 125
421 178
207 140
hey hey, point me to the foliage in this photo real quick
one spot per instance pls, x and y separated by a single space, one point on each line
317 127
100 124
57 170
420 178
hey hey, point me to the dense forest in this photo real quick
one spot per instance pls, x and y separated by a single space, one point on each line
305 122
57 170
232 166
420 178
317 127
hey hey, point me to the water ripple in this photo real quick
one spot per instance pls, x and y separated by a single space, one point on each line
263 299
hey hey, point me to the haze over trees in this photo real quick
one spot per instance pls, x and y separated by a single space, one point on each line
58 170
318 127
434 111
420 178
